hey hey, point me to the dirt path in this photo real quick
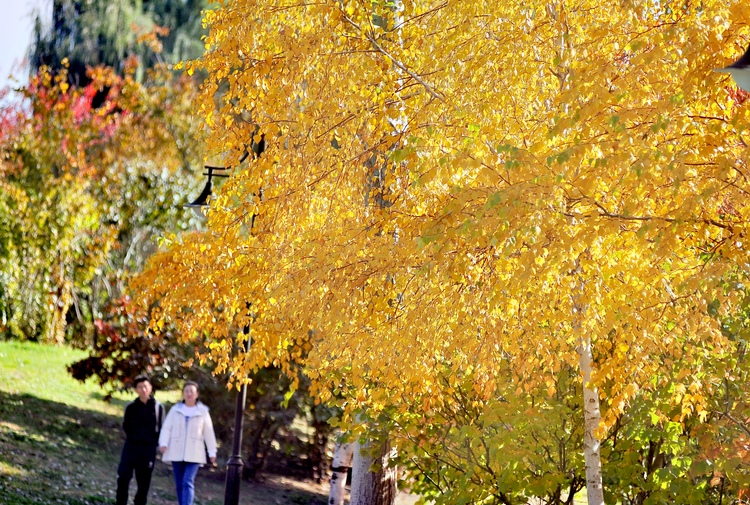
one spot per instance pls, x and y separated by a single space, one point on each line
269 490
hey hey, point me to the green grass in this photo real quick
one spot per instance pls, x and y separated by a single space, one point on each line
39 370
55 433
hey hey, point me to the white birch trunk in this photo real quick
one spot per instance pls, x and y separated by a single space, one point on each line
373 488
342 461
592 416
379 487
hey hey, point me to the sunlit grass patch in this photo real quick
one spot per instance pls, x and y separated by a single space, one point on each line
20 373
16 432
11 470
6 426
20 366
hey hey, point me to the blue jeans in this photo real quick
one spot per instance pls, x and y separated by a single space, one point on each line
184 481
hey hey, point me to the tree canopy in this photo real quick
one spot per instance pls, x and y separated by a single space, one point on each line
534 155
463 188
85 190
90 33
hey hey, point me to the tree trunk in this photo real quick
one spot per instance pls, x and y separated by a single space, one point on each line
373 479
342 461
318 443
592 416
60 299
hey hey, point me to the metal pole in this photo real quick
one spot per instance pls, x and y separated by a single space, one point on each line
235 463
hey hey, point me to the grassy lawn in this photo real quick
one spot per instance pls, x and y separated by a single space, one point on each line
60 441
39 370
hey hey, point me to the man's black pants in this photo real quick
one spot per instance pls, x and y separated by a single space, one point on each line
136 459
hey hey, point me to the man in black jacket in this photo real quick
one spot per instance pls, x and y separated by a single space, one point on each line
143 419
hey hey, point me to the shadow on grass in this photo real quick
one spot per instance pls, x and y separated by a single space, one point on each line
52 452
58 423
112 401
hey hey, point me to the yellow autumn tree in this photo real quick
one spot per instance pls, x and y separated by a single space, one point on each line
471 185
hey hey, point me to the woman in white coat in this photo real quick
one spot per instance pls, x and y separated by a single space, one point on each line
186 434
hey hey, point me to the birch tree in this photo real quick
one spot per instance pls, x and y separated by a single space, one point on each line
571 185
343 455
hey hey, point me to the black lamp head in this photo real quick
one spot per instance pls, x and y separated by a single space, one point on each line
739 70
202 200
257 149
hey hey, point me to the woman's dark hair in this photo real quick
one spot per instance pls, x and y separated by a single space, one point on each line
191 383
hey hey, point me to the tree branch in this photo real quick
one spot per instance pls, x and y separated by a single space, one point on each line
396 62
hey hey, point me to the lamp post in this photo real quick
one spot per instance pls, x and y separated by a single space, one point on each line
235 464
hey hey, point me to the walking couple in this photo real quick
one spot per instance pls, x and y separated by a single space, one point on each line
182 438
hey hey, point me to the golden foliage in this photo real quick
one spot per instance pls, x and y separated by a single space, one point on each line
437 175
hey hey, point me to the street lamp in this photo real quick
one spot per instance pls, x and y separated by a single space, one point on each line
235 464
740 71
202 200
